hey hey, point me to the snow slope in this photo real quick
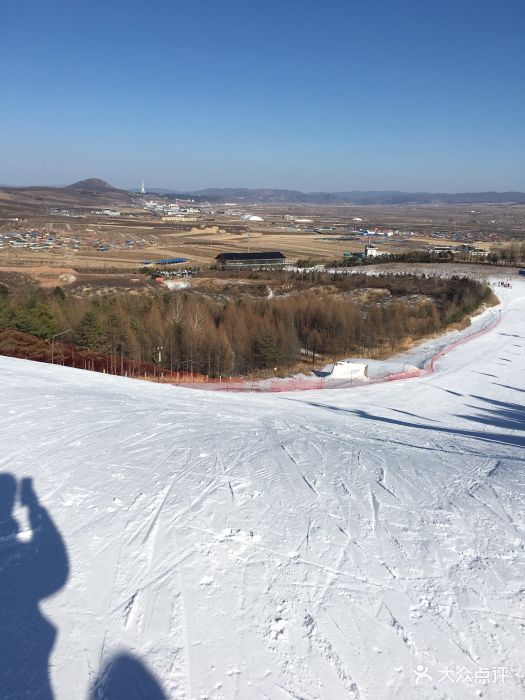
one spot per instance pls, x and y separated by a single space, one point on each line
361 543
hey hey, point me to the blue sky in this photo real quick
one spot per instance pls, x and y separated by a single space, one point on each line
324 96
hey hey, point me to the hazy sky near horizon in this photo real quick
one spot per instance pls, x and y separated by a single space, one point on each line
301 94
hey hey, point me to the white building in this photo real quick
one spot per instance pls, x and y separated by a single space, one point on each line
251 217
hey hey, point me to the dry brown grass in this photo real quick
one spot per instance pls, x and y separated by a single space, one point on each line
44 275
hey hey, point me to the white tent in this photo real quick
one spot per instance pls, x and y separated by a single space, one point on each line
251 217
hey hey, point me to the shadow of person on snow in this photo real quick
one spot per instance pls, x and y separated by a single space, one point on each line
34 565
30 570
126 678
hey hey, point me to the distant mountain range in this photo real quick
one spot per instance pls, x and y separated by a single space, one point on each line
276 196
95 188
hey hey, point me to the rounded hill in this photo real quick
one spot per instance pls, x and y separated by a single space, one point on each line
93 184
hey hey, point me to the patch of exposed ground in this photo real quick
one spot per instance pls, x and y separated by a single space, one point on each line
44 275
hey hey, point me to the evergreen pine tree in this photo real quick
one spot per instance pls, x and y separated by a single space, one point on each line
36 319
92 336
266 352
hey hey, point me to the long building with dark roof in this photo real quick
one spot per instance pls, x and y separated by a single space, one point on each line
258 259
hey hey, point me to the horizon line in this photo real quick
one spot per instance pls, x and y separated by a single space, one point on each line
255 188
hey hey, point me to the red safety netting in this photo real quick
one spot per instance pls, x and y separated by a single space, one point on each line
17 344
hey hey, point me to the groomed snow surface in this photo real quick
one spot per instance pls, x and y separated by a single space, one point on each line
358 543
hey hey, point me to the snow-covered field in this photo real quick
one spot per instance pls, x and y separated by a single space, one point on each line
362 543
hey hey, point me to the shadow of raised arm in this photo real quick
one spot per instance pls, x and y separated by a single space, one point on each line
29 572
48 556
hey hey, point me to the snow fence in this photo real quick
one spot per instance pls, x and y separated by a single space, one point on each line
316 383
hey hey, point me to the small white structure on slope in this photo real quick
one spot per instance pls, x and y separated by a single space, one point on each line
345 369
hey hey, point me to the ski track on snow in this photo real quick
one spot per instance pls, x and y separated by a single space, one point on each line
317 545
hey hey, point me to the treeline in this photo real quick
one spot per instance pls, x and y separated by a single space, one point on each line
30 347
510 254
409 256
187 332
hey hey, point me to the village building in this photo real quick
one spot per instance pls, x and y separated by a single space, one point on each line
259 259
